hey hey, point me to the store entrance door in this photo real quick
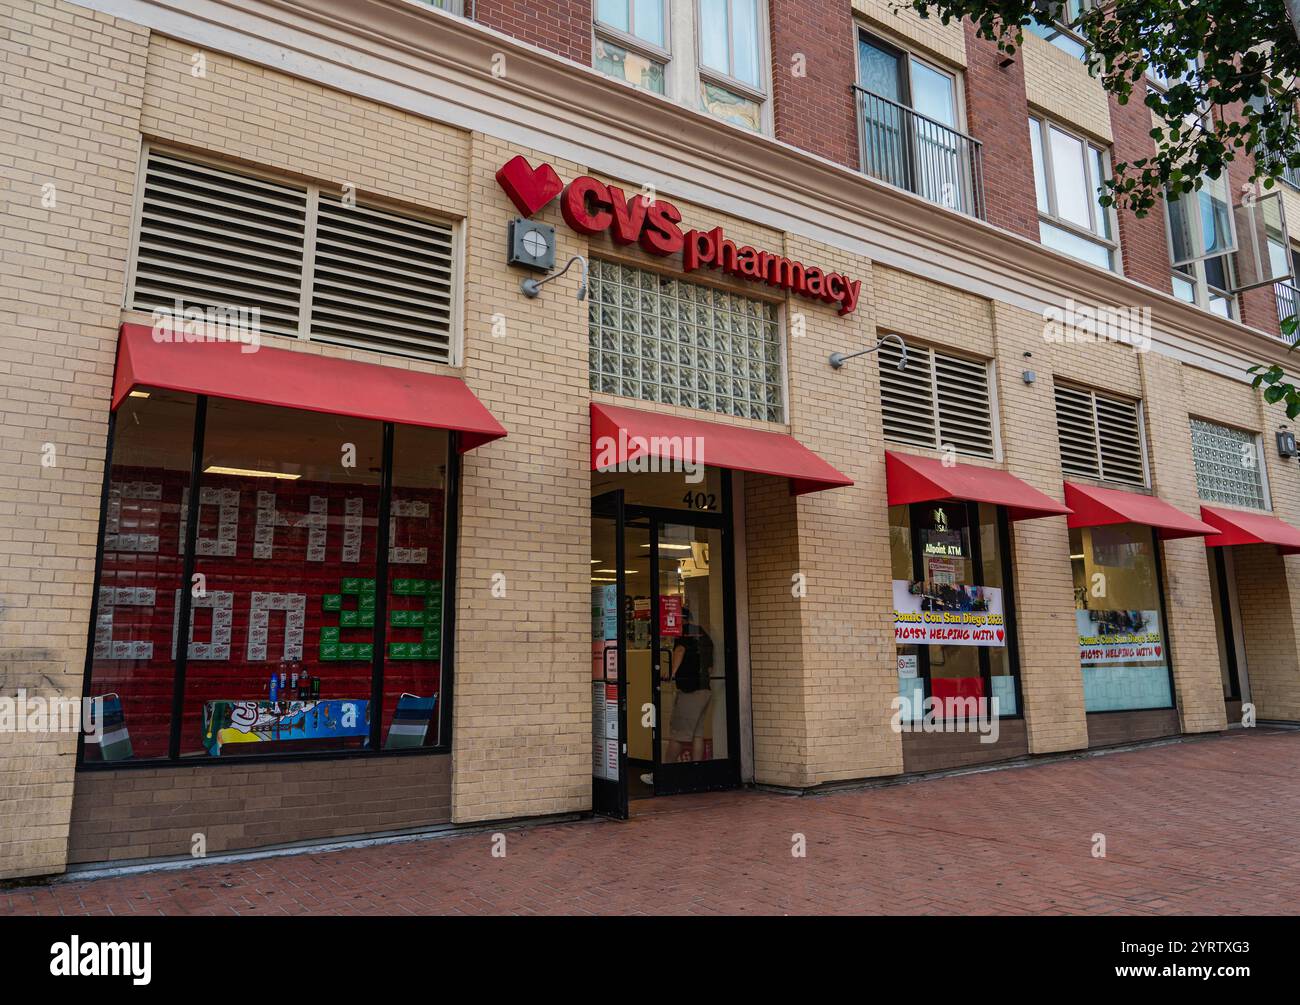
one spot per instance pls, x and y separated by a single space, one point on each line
664 653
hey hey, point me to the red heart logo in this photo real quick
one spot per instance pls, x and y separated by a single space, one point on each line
529 189
1001 634
1157 650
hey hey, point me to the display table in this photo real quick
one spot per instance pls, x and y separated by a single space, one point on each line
295 721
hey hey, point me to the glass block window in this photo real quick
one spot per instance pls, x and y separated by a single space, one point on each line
662 339
1228 465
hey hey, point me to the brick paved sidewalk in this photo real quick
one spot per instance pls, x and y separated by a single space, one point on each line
1210 826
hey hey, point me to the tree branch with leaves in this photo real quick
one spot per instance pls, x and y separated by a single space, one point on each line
1221 76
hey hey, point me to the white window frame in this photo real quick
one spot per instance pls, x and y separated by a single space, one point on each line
1045 124
456 7
600 31
456 323
684 71
1203 294
703 74
1058 29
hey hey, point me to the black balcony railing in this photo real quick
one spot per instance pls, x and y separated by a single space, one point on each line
920 154
1287 298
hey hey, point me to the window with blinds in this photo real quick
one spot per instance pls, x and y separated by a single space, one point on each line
938 400
1227 465
312 265
1100 436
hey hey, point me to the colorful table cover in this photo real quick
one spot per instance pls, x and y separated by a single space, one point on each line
264 721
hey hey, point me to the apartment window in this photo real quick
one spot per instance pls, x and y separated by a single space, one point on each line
631 41
678 343
909 120
1229 465
1201 240
312 263
938 400
450 6
1056 26
1068 175
731 68
1100 436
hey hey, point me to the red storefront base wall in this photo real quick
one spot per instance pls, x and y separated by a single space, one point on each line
156 813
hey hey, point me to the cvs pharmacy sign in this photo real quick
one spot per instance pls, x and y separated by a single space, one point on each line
592 207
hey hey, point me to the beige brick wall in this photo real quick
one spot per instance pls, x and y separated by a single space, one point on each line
1059 84
1191 638
522 733
69 134
822 666
1050 679
927 34
846 618
283 124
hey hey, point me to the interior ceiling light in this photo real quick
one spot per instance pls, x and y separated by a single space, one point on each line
217 469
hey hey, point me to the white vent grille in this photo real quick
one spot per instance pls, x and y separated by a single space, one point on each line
313 266
1100 437
938 400
1227 465
381 281
213 239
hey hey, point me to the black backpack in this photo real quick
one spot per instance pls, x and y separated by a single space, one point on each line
692 673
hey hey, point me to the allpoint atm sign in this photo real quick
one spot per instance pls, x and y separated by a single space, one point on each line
591 207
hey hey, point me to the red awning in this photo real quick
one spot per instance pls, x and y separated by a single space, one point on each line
1095 507
925 479
1237 527
619 435
302 380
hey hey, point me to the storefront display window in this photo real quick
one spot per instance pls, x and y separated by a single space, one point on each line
292 647
1123 651
953 626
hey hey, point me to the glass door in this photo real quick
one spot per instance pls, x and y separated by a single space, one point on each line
608 656
695 712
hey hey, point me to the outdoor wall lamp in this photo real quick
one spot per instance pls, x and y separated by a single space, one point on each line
838 359
532 287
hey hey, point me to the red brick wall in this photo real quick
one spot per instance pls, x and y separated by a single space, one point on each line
1258 307
561 26
997 115
1143 241
816 111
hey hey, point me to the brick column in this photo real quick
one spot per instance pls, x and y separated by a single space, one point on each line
843 626
70 126
1189 633
997 115
522 731
1144 242
813 74
559 26
1040 561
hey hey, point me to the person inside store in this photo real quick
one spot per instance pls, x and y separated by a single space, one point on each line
692 665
